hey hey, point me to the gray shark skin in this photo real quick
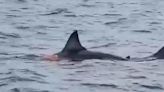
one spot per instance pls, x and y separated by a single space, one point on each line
159 54
74 51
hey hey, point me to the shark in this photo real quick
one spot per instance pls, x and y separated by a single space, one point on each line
75 51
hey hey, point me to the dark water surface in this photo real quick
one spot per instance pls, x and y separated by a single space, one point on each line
29 28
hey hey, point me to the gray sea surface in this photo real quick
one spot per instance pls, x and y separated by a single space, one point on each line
29 28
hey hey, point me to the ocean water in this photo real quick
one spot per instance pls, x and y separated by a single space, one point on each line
29 28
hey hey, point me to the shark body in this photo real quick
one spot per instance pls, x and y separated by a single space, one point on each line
74 51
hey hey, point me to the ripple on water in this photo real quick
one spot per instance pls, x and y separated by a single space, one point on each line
13 79
152 86
70 15
3 84
112 23
27 76
99 85
58 11
137 77
27 71
27 90
88 5
9 35
28 57
23 27
142 31
103 46
112 15
76 80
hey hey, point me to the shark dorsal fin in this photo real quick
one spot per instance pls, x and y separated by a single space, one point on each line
159 54
73 44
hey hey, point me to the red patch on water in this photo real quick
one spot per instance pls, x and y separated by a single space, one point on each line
51 57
